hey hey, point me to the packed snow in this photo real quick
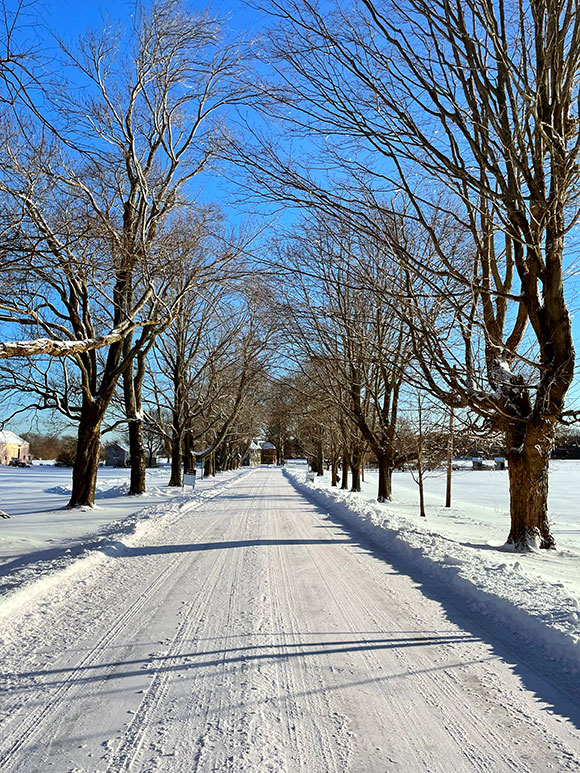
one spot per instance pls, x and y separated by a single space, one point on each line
44 536
264 622
536 594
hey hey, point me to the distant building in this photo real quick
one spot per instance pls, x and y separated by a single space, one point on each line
13 448
260 452
117 455
498 463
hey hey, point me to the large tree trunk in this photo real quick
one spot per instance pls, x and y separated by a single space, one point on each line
355 462
345 469
84 476
529 448
334 470
385 479
319 459
177 412
449 461
176 454
420 444
420 482
188 452
138 457
132 391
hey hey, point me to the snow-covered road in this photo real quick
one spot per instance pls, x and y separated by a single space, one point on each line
253 633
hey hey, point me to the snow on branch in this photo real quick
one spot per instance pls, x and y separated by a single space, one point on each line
57 348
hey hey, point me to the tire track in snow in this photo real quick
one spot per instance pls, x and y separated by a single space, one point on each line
227 740
234 712
336 585
206 617
323 744
439 687
127 755
132 747
33 724
298 660
353 607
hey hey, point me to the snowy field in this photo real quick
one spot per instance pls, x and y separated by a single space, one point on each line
43 535
483 498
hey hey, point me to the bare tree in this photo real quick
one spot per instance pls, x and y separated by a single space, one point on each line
207 366
204 253
25 80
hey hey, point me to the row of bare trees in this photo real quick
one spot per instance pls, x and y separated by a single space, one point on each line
434 146
107 258
445 135
355 346
356 386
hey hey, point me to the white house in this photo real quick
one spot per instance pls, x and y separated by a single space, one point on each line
117 455
260 452
13 448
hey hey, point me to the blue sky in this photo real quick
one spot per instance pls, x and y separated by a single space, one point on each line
69 18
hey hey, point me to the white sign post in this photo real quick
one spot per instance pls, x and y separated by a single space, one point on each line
189 478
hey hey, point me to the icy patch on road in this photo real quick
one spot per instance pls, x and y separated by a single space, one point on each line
485 579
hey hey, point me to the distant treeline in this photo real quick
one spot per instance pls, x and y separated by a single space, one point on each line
60 448
567 446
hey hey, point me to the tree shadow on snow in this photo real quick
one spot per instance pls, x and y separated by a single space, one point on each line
120 549
223 656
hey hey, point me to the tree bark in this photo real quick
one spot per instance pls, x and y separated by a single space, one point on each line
334 470
138 457
529 448
319 459
176 455
132 389
188 452
355 462
422 512
345 469
84 476
420 444
385 480
449 461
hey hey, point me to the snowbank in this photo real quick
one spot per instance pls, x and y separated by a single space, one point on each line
486 579
80 549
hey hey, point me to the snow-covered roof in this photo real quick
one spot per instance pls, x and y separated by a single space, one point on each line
11 438
122 446
259 445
